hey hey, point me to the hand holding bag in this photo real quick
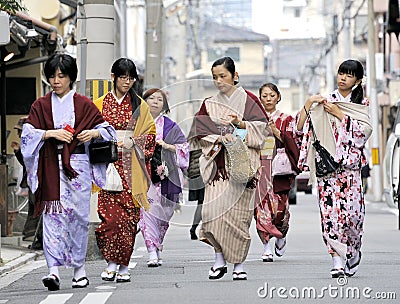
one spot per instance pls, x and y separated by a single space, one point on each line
324 161
104 151
113 179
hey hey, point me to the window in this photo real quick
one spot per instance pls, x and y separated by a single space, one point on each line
216 53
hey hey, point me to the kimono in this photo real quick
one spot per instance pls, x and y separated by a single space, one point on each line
228 206
119 212
60 176
272 199
164 195
340 196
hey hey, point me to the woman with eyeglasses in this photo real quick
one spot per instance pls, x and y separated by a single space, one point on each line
119 211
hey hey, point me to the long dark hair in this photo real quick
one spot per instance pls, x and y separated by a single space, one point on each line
229 64
65 63
122 67
355 68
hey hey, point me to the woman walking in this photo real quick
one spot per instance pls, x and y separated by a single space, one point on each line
272 197
119 211
228 206
170 158
54 146
342 124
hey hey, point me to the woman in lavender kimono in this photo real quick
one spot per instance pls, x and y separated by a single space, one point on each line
166 175
342 124
54 147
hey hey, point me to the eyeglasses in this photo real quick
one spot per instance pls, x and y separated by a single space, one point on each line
125 78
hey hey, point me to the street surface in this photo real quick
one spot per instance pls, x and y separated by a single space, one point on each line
300 276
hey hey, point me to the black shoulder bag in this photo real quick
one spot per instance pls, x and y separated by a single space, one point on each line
104 151
325 163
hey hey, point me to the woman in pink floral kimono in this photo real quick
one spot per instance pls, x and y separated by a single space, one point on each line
172 154
342 124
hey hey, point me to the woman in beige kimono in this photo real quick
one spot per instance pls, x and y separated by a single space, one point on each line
228 205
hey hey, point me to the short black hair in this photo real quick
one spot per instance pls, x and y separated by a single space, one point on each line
65 63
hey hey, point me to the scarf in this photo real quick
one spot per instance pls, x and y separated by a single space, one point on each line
321 121
204 125
172 134
47 196
140 179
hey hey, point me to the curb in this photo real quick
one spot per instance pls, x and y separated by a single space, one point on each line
15 263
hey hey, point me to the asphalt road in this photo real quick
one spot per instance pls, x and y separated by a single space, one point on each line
300 276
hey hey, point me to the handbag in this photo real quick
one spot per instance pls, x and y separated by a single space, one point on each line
104 151
113 179
324 161
159 168
281 164
240 167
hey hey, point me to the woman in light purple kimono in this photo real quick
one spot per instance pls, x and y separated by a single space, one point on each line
166 175
54 144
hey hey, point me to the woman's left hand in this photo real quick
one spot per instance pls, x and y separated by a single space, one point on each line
333 109
87 135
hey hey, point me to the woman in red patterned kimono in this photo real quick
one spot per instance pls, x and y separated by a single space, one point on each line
119 211
272 199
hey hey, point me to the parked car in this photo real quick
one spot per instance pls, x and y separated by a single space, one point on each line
300 184
391 175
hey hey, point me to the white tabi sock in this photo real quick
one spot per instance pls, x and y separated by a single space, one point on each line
111 266
123 269
153 255
54 270
337 262
239 267
219 260
267 249
79 272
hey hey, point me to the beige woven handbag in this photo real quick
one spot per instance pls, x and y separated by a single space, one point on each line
240 167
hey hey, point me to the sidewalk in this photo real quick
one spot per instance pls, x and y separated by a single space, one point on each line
14 253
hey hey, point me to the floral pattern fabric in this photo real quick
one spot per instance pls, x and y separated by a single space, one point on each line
340 195
155 222
117 211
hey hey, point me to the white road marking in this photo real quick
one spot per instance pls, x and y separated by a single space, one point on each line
132 265
105 287
3 301
18 273
98 298
57 299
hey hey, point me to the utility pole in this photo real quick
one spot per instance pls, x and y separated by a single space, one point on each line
154 40
346 30
374 109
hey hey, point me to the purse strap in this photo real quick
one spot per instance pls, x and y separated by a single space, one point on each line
311 125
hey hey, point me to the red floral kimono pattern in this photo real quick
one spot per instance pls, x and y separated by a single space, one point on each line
117 211
270 206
